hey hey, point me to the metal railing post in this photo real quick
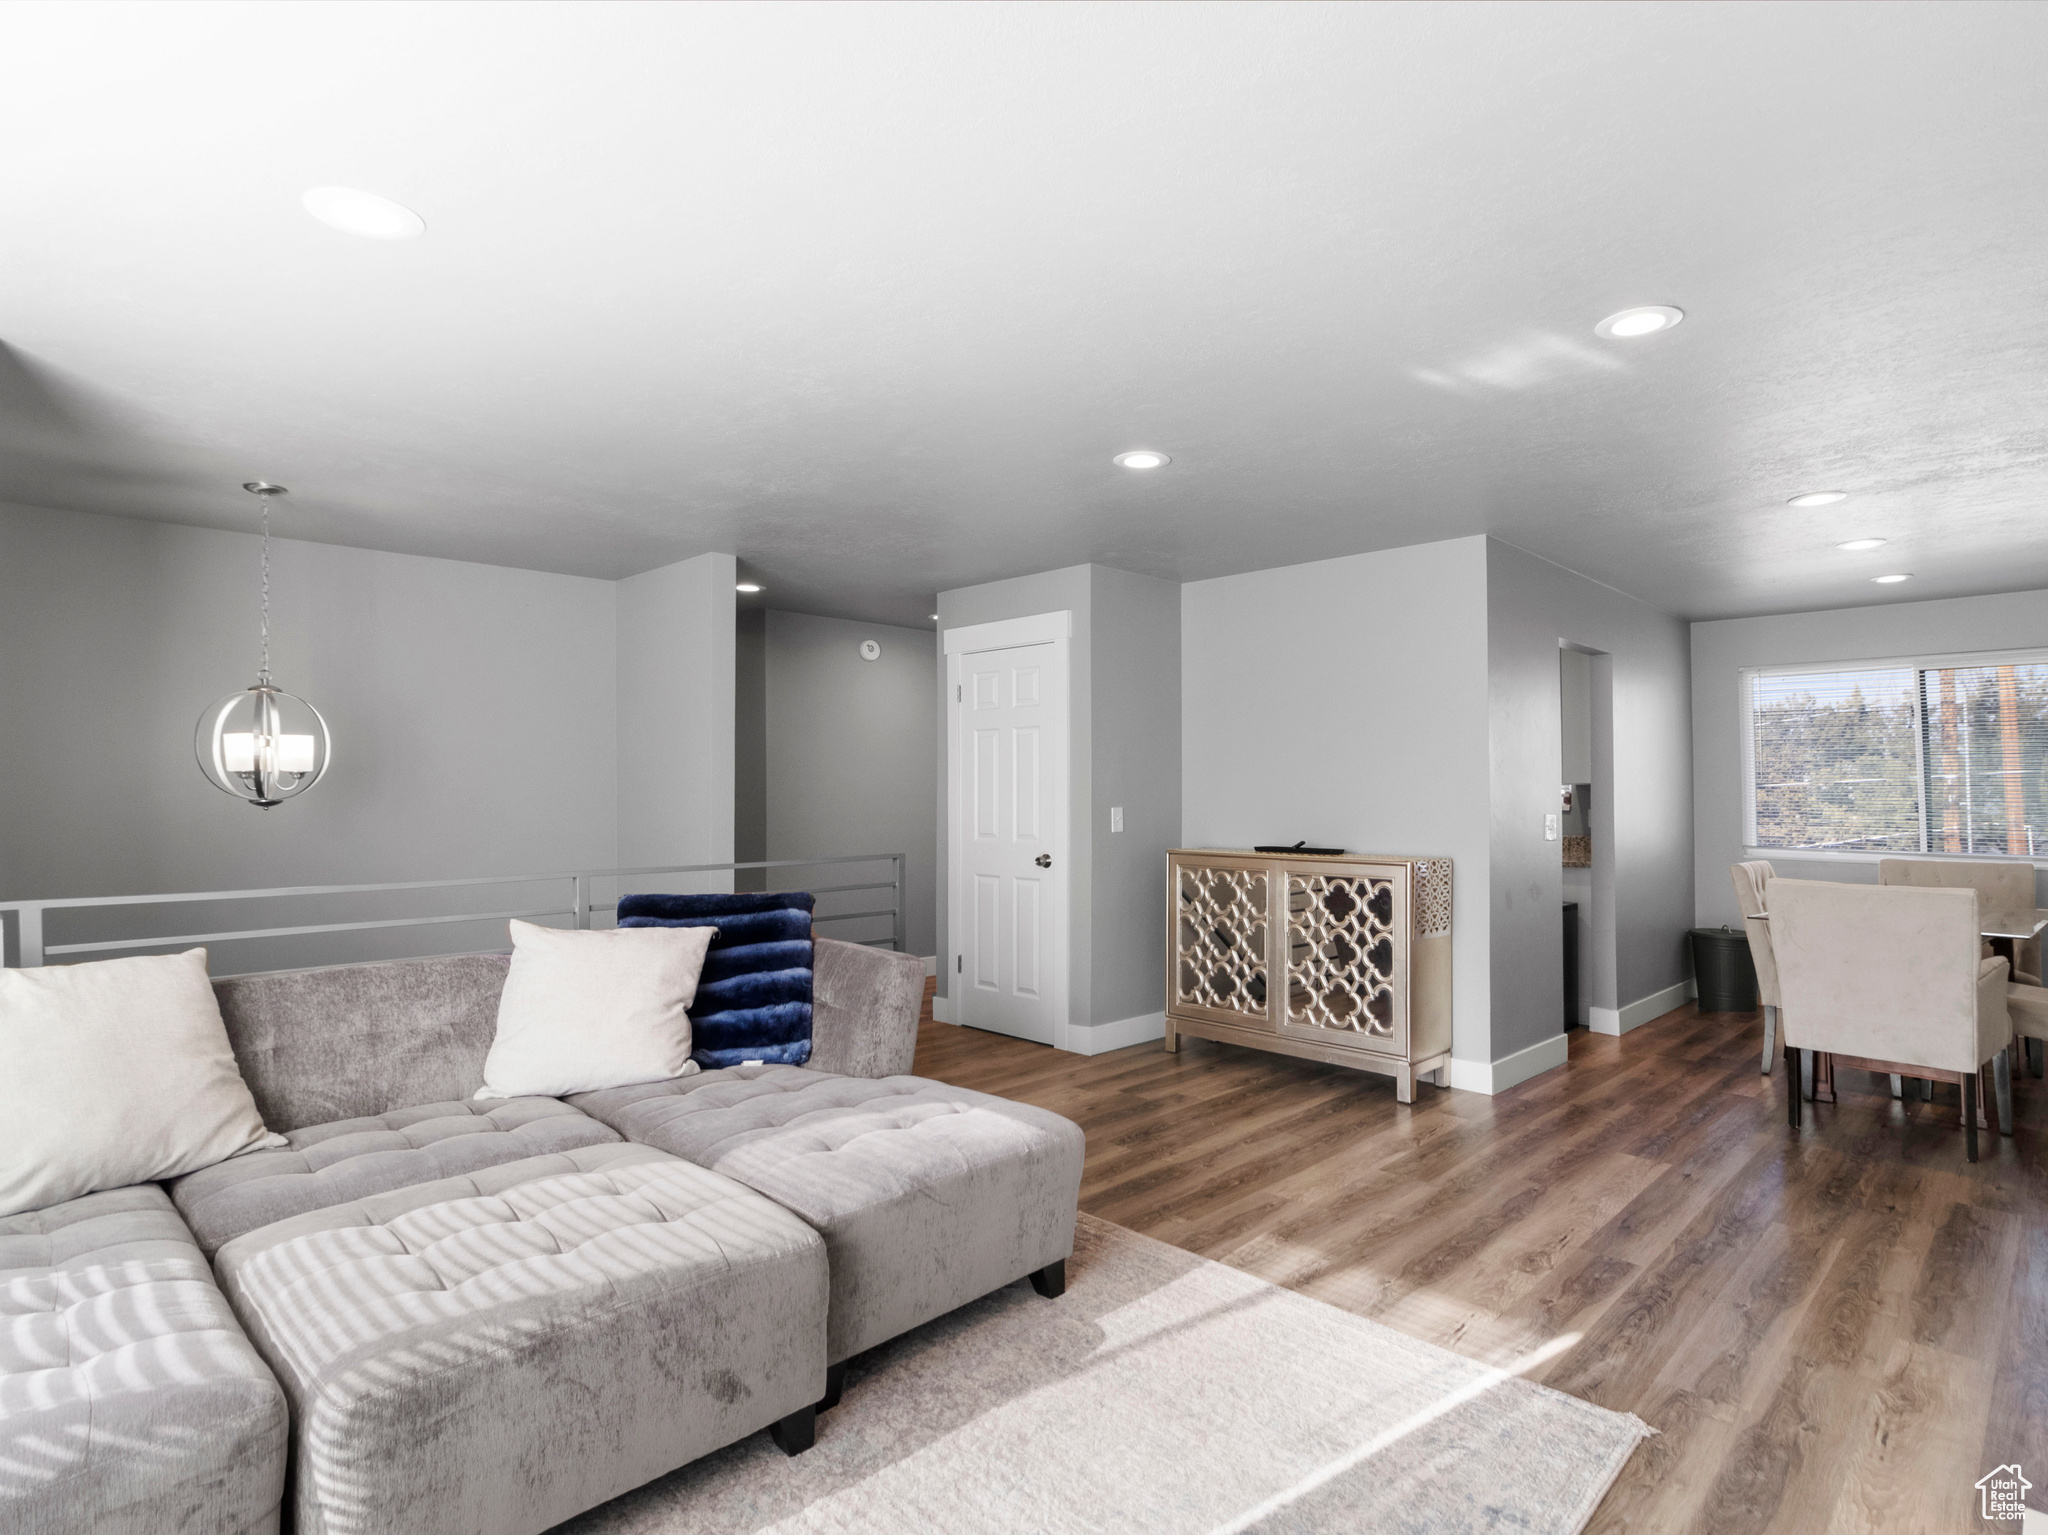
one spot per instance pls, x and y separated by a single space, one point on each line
896 898
582 900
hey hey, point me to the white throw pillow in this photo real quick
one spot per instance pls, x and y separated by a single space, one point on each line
115 1073
583 1011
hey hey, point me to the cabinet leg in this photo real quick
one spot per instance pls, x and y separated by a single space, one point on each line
1171 1042
1404 1085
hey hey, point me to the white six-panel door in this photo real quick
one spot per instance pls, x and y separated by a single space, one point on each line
1009 791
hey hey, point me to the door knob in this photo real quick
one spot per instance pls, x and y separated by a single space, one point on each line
1043 860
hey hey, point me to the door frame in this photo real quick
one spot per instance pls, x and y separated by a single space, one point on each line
1056 630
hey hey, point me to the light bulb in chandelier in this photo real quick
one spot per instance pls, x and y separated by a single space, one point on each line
263 745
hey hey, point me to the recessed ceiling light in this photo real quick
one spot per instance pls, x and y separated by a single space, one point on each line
1143 458
1858 545
745 586
1890 580
1818 498
1646 321
935 618
363 213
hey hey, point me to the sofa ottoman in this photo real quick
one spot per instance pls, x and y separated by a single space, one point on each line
350 1159
494 1353
130 1402
927 1196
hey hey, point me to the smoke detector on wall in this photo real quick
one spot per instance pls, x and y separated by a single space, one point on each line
870 650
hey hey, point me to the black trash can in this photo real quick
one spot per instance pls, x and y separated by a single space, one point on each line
1724 970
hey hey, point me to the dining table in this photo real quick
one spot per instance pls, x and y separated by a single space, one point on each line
2006 931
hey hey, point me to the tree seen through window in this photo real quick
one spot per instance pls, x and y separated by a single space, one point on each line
1903 759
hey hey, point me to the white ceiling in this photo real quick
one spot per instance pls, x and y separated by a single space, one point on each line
869 294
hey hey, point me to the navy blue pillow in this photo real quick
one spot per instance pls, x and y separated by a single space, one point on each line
754 994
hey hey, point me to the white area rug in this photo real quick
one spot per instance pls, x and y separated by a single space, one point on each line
1161 1393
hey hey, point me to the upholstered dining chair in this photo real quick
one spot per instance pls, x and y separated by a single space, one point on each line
1750 880
2029 1008
1889 979
2000 887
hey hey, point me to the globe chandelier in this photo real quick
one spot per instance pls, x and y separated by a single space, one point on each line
263 745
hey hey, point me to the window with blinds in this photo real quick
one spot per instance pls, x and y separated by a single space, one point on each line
1940 756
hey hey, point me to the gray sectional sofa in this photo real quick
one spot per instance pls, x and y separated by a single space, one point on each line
428 1314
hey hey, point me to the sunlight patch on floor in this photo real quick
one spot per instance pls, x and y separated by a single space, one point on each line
1478 1386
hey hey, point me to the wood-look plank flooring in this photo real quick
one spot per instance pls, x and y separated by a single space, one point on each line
1834 1330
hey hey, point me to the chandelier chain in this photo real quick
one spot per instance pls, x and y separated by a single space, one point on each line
263 677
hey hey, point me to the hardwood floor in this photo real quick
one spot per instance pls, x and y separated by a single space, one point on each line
1836 1330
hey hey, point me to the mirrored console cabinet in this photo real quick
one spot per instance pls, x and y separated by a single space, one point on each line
1343 959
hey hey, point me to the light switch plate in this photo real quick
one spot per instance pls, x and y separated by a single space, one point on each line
1550 828
1116 818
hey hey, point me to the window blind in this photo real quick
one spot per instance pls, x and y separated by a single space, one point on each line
1986 734
1901 758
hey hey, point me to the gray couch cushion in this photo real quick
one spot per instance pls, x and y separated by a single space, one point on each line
130 1401
927 1195
331 1164
493 1354
864 1009
352 1040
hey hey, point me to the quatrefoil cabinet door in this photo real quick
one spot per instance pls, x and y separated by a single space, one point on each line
1219 945
1347 955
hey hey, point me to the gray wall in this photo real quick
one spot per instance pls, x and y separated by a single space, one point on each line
848 758
1345 702
675 702
1135 736
1720 649
1644 674
750 746
472 710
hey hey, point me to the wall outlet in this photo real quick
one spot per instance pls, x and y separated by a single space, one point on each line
1116 818
1550 828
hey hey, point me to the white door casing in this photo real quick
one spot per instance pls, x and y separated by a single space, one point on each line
1008 857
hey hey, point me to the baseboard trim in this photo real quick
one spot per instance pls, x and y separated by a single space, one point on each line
1471 1076
1619 1020
1104 1037
942 1009
931 964
1510 1070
